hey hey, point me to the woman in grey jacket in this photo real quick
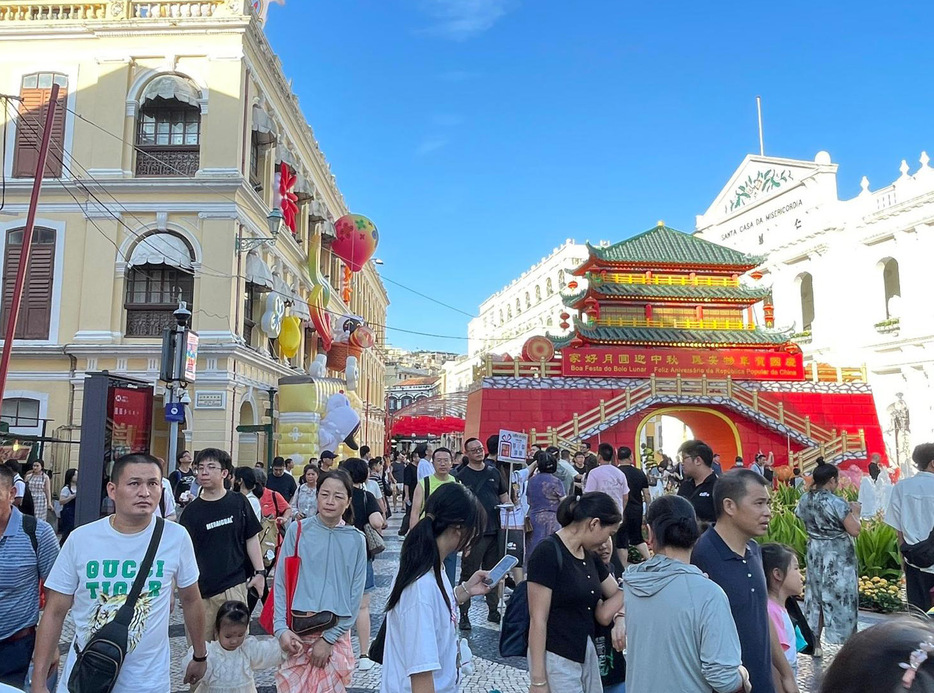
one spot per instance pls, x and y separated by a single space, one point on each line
331 579
670 601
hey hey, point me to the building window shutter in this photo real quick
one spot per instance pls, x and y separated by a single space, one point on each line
35 310
36 92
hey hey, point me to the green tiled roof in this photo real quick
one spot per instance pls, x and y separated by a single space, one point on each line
689 293
662 335
665 245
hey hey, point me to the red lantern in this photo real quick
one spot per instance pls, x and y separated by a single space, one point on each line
564 325
572 285
564 316
756 274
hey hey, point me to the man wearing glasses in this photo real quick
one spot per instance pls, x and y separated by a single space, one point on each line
697 462
225 534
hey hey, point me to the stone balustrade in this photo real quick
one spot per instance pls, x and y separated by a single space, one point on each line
33 11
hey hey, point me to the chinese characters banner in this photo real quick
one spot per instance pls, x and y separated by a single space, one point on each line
129 421
640 362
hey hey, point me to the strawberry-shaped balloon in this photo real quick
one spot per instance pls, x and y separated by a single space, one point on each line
356 240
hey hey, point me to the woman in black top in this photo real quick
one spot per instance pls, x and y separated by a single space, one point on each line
570 589
365 512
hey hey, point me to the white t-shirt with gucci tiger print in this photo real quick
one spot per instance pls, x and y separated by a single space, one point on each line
97 565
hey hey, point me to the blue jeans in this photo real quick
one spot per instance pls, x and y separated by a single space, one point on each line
14 660
615 688
450 567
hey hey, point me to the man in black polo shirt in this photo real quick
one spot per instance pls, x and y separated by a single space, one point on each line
490 488
727 554
699 479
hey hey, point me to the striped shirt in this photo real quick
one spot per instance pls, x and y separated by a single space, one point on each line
22 569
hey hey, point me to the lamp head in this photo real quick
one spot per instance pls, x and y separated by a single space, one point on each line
274 221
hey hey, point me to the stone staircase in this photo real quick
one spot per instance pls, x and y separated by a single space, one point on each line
760 406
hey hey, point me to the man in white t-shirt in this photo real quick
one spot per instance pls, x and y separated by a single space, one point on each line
425 467
96 569
611 480
911 513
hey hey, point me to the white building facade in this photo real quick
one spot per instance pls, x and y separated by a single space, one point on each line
847 276
529 305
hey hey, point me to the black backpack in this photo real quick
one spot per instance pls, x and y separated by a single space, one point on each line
514 633
98 665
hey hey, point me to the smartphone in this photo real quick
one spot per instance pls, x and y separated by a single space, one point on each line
500 569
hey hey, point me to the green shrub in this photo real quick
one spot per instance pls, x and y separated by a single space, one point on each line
877 551
785 528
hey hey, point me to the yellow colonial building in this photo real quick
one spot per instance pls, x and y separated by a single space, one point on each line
175 118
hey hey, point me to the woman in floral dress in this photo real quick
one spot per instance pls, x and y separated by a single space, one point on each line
831 596
544 492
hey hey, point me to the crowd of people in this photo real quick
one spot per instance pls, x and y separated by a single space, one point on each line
627 588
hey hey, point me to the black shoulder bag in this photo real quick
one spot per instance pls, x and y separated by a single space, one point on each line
98 665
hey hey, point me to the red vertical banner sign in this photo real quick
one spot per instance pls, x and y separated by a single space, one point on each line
129 421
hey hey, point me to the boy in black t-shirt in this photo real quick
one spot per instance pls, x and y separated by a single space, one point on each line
225 534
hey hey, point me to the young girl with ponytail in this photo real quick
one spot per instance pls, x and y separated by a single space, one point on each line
421 650
570 590
670 601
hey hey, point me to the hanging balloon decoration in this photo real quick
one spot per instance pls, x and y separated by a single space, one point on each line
346 278
271 322
290 337
285 198
356 241
320 318
362 337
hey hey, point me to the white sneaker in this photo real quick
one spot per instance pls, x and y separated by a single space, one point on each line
365 663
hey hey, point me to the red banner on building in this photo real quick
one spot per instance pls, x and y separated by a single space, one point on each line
636 362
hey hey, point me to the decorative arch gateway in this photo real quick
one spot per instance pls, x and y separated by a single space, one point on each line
668 322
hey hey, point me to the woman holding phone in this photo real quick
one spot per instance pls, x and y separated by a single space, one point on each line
422 650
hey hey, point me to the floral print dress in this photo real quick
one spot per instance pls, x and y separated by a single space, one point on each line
832 586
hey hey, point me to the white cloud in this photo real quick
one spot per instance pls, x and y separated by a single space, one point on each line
460 20
431 144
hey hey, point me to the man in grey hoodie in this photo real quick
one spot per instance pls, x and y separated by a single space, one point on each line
681 636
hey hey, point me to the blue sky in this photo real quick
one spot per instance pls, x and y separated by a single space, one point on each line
479 134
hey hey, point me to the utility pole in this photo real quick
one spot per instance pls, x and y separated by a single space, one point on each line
179 356
17 297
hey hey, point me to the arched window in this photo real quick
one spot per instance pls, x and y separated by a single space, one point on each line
168 132
806 293
518 307
160 275
892 287
500 316
20 412
549 290
509 312
561 278
538 293
528 301
550 322
406 401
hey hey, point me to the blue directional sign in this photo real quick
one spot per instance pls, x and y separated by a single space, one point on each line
175 412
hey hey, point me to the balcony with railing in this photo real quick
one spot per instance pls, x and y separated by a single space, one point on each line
662 279
34 11
674 323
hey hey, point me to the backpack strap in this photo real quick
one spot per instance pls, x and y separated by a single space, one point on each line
125 614
30 525
427 489
560 560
